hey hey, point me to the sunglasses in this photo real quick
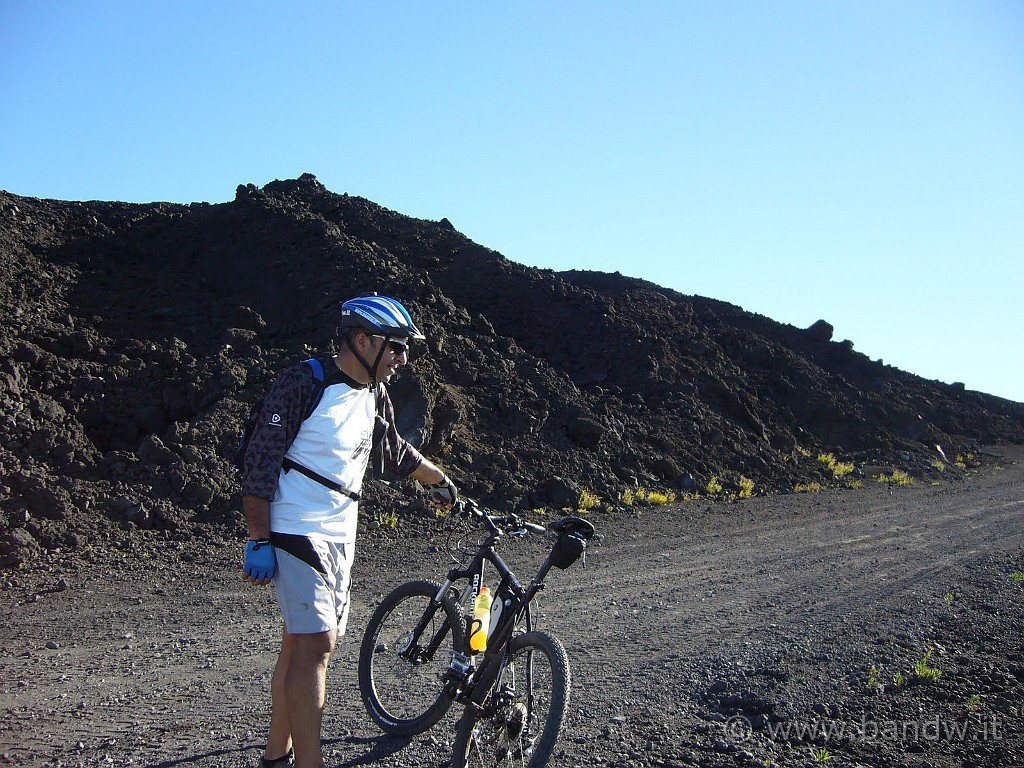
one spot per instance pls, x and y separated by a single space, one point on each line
395 345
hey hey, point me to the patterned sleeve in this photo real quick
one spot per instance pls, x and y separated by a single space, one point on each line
399 454
274 431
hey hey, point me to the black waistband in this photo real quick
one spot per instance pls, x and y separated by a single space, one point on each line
300 547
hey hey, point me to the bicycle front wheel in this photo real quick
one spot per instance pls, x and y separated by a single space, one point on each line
404 656
521 716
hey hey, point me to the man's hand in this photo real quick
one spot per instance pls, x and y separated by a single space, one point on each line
260 562
443 494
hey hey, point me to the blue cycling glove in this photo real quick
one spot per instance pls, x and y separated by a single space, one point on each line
260 563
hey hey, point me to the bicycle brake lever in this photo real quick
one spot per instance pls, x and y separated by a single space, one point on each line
466 507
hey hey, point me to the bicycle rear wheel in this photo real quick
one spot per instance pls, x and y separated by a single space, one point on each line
401 671
522 714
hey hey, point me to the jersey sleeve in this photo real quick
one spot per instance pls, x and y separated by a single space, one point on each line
399 454
275 429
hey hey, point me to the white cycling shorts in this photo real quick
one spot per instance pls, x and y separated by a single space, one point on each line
312 583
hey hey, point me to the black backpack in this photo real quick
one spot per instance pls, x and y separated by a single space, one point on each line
316 393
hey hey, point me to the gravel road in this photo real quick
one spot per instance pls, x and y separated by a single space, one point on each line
788 630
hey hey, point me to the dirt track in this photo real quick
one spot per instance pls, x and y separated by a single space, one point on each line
710 634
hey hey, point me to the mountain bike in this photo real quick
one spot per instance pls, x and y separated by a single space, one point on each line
415 660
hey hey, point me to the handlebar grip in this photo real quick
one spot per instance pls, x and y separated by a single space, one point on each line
468 508
534 528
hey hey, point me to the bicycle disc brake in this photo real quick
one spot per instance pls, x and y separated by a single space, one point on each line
503 730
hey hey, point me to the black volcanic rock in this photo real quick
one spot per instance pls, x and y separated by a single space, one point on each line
136 336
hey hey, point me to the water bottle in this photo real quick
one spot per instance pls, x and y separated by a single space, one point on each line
481 621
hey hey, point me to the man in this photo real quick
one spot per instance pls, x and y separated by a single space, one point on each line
300 489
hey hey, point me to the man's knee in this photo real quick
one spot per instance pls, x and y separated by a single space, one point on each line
313 646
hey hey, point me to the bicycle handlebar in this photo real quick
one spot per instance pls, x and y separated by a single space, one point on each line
496 523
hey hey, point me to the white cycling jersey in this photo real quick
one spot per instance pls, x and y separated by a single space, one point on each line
335 442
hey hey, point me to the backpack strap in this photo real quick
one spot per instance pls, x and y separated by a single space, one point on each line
317 390
288 464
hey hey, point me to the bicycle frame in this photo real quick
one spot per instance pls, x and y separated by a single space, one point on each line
515 691
511 616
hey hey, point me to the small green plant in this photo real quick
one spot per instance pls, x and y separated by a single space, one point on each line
746 488
950 597
807 488
898 477
962 460
659 498
873 683
899 680
822 755
713 485
842 470
855 484
654 498
902 478
837 468
587 500
973 702
938 466
386 519
923 669
1017 576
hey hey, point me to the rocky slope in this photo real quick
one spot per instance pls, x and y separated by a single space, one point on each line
136 336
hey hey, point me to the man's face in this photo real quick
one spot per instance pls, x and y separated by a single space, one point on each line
396 353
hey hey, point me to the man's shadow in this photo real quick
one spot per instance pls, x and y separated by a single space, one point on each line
378 747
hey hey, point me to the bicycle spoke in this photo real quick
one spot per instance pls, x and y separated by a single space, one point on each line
407 682
402 672
524 713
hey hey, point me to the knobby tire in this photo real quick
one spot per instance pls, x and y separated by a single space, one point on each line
405 697
517 728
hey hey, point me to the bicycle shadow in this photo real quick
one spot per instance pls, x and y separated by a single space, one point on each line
379 747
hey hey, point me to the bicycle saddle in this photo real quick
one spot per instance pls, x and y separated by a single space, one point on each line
575 526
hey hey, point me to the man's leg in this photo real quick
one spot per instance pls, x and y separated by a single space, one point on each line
279 740
311 586
305 692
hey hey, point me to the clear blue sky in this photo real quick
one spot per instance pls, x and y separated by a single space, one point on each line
858 161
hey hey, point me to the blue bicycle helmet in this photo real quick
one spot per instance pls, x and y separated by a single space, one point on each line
379 314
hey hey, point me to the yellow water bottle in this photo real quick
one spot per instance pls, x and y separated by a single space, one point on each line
481 621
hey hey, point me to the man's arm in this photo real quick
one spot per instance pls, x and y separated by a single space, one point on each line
406 460
427 473
257 516
442 491
276 427
260 562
